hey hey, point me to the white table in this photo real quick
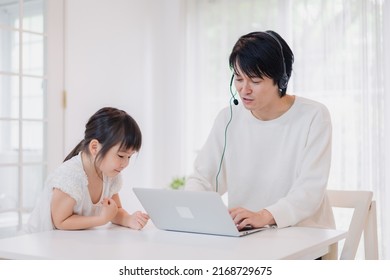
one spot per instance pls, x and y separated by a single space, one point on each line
113 242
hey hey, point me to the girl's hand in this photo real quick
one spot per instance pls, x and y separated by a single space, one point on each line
243 217
109 210
138 220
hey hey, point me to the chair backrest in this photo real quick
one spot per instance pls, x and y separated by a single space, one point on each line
363 220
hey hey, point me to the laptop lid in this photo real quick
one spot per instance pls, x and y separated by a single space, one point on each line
188 211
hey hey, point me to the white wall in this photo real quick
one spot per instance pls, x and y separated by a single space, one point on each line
128 54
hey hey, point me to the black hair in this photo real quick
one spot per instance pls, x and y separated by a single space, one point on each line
109 126
259 54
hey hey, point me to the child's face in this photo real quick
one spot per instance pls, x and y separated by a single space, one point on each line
115 161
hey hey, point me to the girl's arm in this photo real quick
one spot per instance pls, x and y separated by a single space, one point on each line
137 220
64 218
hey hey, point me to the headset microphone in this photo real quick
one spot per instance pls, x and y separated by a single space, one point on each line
235 101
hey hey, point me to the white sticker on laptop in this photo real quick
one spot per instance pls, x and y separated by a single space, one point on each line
184 212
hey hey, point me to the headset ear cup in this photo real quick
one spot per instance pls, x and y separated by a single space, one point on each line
283 82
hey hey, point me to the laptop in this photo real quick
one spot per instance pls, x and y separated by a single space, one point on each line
189 211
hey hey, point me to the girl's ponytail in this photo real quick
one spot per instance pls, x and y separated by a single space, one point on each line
75 151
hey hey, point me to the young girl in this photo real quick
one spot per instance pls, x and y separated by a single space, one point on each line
83 192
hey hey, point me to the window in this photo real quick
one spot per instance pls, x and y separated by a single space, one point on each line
23 119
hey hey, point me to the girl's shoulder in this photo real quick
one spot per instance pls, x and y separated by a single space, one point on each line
72 168
69 177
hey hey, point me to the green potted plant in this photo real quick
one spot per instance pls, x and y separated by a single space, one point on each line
177 183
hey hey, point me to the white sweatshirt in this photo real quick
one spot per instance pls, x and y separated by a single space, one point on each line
281 165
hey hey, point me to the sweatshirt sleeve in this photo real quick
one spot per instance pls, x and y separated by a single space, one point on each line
208 161
308 190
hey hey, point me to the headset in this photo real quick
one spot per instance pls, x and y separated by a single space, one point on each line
282 84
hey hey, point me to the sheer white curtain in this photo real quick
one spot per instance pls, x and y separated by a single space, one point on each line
339 61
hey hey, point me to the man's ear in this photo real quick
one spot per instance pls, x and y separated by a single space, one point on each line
94 147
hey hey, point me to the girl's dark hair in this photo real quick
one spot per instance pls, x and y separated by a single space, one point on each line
109 126
259 54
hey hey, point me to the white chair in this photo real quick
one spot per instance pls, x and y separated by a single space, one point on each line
363 221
